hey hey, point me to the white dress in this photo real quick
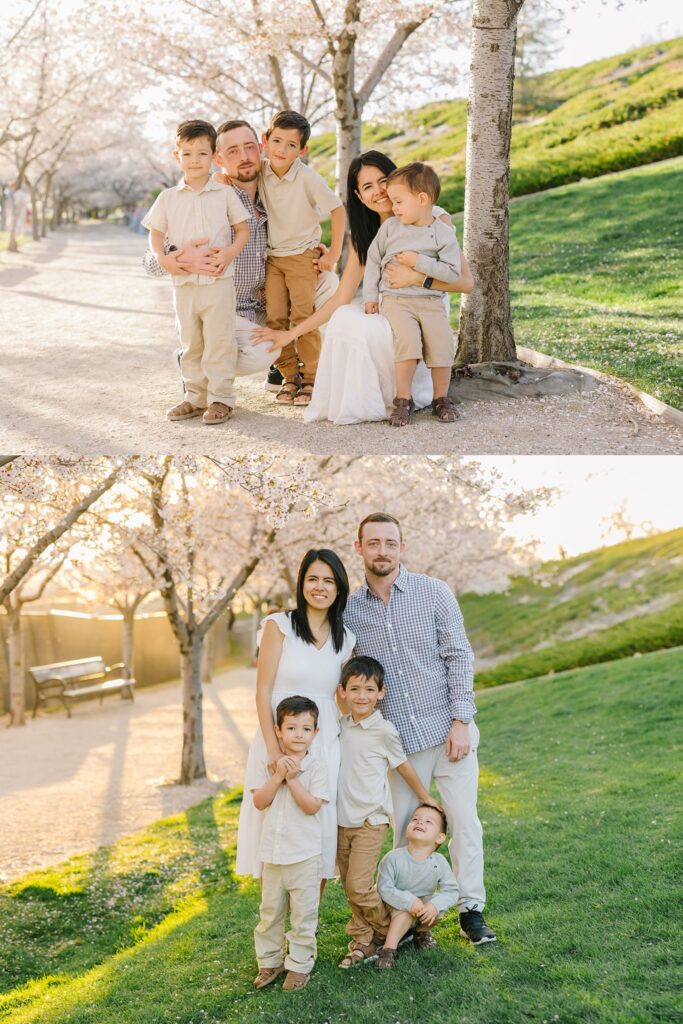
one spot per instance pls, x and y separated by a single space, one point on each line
304 671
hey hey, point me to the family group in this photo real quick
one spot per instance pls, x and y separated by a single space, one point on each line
243 248
328 772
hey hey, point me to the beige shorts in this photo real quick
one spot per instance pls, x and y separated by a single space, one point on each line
393 912
421 328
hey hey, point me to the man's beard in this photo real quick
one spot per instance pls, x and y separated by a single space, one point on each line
382 569
243 178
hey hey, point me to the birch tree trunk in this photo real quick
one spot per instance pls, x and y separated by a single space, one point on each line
17 700
192 762
486 333
347 109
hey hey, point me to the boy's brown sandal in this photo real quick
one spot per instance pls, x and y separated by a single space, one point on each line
423 939
294 981
184 411
386 959
288 392
444 410
267 975
357 954
400 414
304 395
218 412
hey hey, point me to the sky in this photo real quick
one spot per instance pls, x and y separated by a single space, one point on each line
590 489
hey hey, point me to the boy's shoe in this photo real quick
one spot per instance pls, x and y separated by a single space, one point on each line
423 939
386 959
359 953
401 412
294 981
184 411
267 975
444 410
273 380
217 412
474 927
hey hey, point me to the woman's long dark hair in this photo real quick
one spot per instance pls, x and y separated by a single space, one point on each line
364 223
335 613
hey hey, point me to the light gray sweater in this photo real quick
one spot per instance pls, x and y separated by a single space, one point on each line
439 256
402 880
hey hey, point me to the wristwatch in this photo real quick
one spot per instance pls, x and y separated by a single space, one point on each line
428 282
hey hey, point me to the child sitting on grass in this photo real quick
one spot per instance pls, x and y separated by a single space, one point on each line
291 849
370 745
416 883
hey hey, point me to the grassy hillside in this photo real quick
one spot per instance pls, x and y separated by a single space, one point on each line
598 606
577 796
582 122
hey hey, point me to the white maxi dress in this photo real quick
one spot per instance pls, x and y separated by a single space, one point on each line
304 671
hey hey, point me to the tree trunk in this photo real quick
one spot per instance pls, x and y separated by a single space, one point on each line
208 653
17 674
35 218
127 643
43 213
486 333
192 764
347 109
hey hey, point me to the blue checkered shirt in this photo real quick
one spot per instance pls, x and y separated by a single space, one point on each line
250 265
419 638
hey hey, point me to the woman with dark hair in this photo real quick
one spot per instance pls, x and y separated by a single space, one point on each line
300 654
356 378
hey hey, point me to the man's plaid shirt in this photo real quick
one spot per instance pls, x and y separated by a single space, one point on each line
250 265
419 638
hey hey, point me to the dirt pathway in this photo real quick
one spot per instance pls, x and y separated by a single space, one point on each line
87 368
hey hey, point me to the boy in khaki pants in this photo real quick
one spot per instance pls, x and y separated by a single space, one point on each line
291 849
295 198
369 747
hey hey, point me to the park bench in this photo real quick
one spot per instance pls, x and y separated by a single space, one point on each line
72 680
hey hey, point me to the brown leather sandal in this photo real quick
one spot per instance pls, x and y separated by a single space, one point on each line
423 939
444 410
304 394
288 392
357 954
267 975
386 959
401 412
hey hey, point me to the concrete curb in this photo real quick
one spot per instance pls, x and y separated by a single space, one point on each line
666 412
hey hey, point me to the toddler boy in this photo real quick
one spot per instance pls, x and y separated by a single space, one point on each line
295 198
369 746
416 883
291 849
418 317
204 305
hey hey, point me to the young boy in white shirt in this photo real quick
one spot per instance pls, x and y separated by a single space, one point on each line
416 883
295 198
204 304
291 849
370 745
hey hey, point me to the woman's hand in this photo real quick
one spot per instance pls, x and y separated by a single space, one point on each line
401 276
274 758
286 767
277 339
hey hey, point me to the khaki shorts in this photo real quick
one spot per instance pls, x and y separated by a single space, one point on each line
393 912
421 328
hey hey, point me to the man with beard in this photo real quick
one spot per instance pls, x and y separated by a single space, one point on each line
412 625
238 153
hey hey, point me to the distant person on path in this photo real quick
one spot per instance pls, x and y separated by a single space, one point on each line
204 304
301 653
356 379
238 153
415 238
289 798
412 625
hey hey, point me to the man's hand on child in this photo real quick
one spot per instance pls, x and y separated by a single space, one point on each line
169 262
372 307
428 914
407 259
222 178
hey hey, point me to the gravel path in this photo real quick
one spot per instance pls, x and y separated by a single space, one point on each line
87 368
71 785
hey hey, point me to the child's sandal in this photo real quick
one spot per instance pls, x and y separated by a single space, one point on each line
386 959
444 410
357 954
400 414
288 392
304 395
424 939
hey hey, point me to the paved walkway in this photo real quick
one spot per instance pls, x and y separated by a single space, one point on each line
88 368
71 785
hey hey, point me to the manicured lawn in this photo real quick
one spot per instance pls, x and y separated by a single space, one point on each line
578 798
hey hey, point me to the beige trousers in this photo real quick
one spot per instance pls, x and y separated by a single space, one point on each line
205 317
457 783
358 851
291 283
421 328
293 887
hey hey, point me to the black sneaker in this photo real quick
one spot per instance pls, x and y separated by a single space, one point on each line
273 380
474 927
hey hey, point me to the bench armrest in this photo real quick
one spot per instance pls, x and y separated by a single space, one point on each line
108 669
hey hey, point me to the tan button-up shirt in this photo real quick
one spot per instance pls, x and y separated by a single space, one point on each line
289 834
183 213
368 749
295 204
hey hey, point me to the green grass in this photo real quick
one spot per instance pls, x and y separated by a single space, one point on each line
596 276
578 799
598 606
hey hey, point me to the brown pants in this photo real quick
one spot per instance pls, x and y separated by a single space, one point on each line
291 282
358 851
